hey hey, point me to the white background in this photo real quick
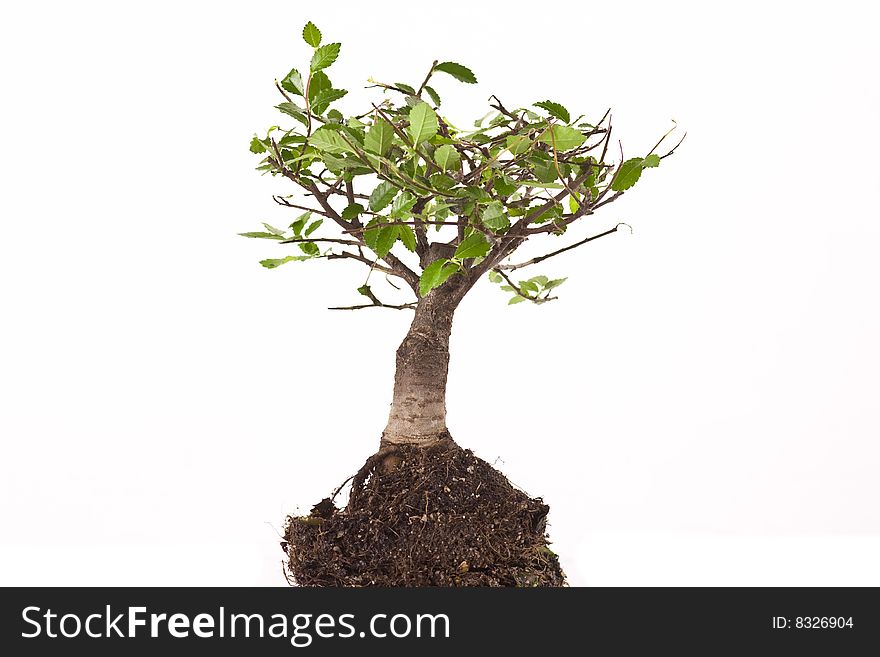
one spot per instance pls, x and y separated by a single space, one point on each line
699 407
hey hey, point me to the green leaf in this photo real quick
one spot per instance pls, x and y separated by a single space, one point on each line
323 99
379 137
324 56
474 192
459 72
517 299
433 94
440 212
405 87
371 234
313 227
550 214
540 280
400 208
257 146
474 245
504 185
272 263
555 109
518 144
495 277
528 286
447 157
380 239
298 225
312 35
293 83
628 174
273 230
556 282
546 172
562 138
385 239
382 196
479 122
290 139
309 248
435 275
442 182
408 237
352 212
292 110
422 122
651 161
265 236
329 141
494 218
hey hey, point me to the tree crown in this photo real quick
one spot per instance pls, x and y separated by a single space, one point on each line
402 183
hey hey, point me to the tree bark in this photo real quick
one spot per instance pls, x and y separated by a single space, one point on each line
418 407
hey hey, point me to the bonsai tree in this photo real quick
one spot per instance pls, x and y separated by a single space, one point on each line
429 207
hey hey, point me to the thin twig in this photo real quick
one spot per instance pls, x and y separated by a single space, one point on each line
538 259
674 147
362 259
425 81
280 200
404 306
522 294
330 240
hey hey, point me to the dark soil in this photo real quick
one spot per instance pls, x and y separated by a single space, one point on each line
435 516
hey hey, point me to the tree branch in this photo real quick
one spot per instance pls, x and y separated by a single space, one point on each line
403 306
538 259
283 201
425 81
398 267
371 263
376 303
329 240
513 240
407 274
671 151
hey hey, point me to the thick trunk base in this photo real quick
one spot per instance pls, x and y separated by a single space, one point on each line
438 516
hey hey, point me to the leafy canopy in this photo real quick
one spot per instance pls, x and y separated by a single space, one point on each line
401 188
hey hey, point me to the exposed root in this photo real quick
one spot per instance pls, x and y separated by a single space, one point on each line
439 517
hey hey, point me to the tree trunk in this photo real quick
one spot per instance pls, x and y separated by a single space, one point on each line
418 408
